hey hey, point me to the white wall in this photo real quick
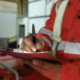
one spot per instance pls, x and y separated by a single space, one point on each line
8 24
38 13
36 8
38 22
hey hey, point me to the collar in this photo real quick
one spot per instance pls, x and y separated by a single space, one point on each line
75 3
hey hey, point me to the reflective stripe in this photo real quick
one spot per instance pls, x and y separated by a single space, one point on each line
58 21
61 45
45 40
58 5
54 45
47 32
68 47
72 48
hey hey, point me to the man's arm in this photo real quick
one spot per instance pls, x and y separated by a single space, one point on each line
44 39
46 33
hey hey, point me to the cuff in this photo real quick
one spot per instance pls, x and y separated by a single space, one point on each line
47 48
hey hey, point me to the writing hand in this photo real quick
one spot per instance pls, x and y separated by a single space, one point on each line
28 45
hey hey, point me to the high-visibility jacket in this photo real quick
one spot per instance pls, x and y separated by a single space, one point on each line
68 50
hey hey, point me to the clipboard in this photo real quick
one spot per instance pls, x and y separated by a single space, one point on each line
31 55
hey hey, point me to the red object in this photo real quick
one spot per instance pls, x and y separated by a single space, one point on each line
24 73
36 76
70 30
39 55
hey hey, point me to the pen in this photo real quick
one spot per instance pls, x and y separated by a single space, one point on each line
33 34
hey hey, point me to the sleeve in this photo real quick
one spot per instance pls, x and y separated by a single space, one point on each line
70 72
46 33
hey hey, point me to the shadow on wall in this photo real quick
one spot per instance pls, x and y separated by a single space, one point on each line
8 42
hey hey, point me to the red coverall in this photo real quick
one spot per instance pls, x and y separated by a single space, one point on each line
70 33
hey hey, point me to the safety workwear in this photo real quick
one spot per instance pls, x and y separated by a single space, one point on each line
62 34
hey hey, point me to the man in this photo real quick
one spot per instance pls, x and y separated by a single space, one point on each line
68 52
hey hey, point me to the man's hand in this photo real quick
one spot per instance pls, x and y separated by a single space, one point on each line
50 70
28 45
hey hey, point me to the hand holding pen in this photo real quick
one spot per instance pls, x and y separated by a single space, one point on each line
31 43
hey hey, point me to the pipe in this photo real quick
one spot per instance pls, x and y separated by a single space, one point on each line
10 69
